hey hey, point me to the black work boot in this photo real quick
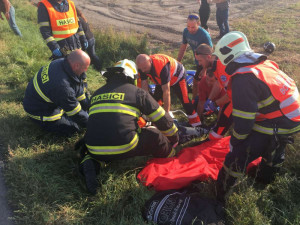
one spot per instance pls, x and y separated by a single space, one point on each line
88 169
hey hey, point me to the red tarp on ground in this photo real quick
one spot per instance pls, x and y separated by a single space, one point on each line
194 163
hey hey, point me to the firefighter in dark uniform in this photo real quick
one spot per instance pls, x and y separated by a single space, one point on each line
60 27
266 111
55 97
167 73
113 132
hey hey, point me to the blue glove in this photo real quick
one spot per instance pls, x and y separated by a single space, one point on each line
57 52
210 105
85 45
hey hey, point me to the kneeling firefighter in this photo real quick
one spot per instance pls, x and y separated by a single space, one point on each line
266 111
113 132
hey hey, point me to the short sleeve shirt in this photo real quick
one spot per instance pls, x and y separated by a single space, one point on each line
194 40
164 75
204 90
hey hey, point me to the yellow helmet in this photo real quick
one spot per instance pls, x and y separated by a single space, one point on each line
128 66
231 46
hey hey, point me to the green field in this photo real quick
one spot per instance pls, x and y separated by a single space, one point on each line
42 187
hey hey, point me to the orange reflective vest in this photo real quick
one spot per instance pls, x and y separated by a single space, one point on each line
159 61
63 24
221 75
283 89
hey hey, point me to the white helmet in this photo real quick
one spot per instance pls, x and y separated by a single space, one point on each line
231 46
125 66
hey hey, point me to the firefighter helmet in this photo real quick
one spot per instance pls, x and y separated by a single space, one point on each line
126 67
269 47
231 46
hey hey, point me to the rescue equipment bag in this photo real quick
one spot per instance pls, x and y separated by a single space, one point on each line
182 208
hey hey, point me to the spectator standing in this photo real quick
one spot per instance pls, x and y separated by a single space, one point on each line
204 13
60 27
222 16
9 11
194 35
91 41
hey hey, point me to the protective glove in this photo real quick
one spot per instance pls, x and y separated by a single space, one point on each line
57 52
85 45
210 105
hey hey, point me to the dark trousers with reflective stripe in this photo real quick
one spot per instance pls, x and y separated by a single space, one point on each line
180 89
151 142
225 120
62 127
254 146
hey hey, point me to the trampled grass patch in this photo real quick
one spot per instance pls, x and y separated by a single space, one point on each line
43 186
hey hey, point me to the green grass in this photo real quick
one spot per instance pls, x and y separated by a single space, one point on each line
39 167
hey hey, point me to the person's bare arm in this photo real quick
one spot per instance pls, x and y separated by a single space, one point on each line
215 91
166 96
195 88
144 85
196 83
200 108
181 52
7 8
223 100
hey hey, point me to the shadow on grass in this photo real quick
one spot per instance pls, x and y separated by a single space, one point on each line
19 132
12 93
43 187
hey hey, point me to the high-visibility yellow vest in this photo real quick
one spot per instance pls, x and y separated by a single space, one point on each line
63 24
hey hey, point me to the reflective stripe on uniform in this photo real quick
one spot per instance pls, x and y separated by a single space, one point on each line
81 33
243 114
232 173
49 39
44 24
267 130
293 114
75 110
171 131
290 100
194 119
266 102
112 150
86 157
172 153
47 118
81 97
239 136
58 32
37 88
114 108
156 115
247 70
214 136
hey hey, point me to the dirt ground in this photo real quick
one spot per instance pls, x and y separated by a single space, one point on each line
163 20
